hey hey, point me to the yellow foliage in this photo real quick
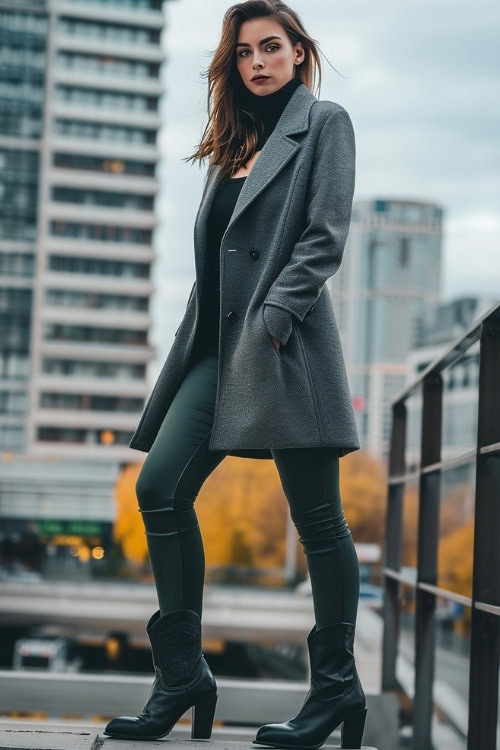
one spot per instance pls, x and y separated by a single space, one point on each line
128 530
243 500
363 489
455 559
410 525
242 511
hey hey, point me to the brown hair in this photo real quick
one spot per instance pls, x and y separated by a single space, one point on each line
230 134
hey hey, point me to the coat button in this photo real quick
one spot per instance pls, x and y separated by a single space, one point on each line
255 254
231 316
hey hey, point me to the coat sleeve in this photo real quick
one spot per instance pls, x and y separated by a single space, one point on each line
205 182
187 304
317 254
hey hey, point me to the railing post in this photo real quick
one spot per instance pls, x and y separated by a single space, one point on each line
485 597
427 548
393 547
485 639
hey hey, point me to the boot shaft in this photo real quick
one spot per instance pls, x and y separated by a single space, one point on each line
331 654
176 645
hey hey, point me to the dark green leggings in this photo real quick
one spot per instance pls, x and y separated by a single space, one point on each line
173 473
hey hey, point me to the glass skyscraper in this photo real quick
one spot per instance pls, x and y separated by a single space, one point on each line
383 293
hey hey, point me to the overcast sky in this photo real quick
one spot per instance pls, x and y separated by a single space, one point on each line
421 83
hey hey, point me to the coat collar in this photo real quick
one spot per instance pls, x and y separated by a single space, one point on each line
277 151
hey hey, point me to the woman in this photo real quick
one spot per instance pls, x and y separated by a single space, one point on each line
256 370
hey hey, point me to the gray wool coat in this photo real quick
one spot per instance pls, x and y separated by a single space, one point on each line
285 238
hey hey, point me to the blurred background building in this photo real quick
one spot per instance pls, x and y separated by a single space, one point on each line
384 292
460 381
79 116
79 119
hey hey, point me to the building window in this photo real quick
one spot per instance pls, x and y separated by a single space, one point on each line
404 252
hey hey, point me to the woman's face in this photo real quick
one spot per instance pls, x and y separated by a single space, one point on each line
263 47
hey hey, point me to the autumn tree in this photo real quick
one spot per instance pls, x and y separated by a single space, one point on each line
243 512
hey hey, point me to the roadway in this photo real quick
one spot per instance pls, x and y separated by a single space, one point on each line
229 613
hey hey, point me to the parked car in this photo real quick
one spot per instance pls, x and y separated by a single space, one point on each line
19 575
52 653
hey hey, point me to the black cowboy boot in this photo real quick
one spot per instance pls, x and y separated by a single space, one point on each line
335 695
183 680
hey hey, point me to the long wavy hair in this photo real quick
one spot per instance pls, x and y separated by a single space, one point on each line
230 135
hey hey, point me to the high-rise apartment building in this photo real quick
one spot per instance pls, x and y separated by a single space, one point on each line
79 115
383 293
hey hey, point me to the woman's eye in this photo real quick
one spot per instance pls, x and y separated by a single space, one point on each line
269 45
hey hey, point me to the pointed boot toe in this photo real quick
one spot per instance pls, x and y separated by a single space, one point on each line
124 727
269 733
119 724
285 735
278 735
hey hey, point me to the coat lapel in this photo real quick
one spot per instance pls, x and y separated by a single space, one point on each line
277 151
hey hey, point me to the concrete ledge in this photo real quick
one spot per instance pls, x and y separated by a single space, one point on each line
243 702
18 735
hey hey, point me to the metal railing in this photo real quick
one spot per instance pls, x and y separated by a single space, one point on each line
485 600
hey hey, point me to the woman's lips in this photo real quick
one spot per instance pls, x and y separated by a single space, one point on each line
261 79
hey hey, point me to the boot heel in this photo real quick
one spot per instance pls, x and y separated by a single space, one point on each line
202 717
351 733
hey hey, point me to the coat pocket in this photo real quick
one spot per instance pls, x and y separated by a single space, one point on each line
278 321
268 335
276 351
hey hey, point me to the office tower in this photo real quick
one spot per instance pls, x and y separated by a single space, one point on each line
79 115
383 293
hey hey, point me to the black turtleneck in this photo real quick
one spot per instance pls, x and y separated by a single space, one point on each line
269 108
